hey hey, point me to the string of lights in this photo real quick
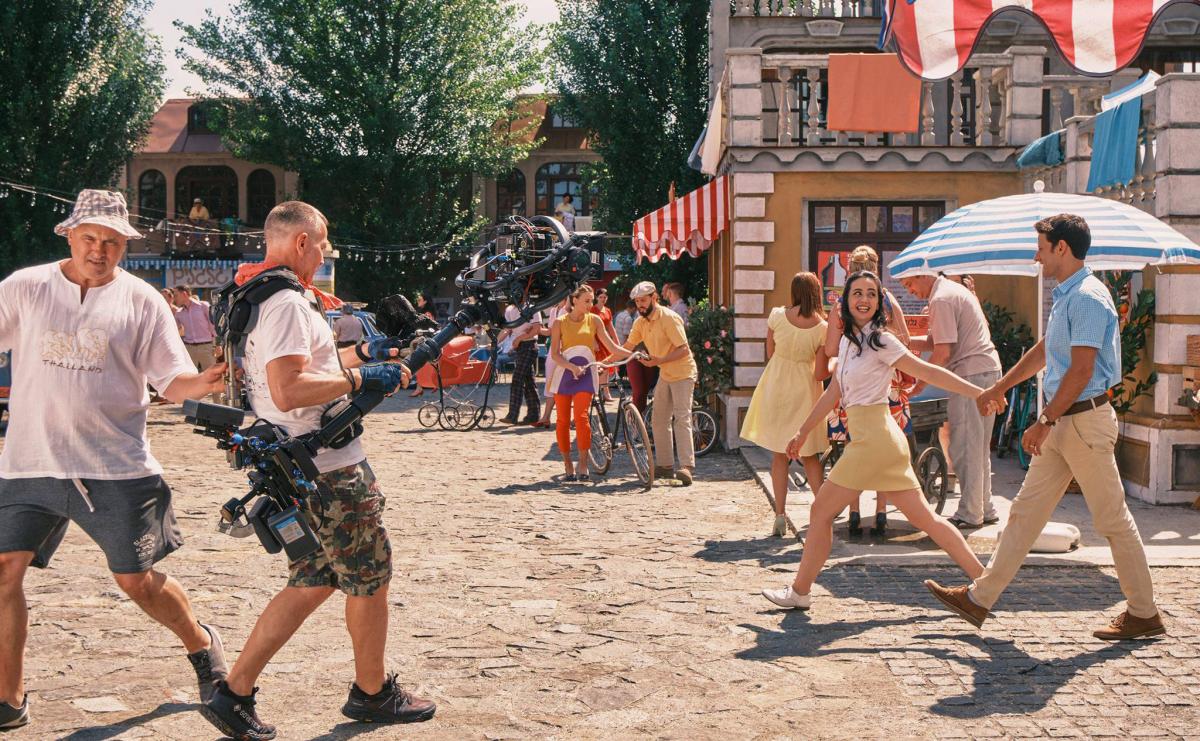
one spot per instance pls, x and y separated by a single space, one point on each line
192 234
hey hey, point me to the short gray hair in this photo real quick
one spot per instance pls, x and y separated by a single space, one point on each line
293 216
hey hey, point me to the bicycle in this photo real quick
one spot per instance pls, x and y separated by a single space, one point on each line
629 423
705 432
1017 416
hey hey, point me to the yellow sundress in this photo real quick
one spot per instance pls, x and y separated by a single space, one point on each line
787 390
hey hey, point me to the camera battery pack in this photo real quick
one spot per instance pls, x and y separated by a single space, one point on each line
291 529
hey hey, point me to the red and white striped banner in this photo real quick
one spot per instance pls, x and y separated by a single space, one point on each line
688 224
934 38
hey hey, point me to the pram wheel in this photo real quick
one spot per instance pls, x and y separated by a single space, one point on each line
428 414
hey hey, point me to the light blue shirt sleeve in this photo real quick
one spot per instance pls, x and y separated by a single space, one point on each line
1088 319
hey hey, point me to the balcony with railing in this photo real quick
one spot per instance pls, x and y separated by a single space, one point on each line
984 113
809 8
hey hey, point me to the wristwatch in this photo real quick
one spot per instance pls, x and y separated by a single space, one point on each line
1043 419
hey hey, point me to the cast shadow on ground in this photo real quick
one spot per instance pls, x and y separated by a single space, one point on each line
1005 681
112 730
765 551
349 729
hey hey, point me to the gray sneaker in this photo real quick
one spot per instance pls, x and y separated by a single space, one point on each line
11 717
209 664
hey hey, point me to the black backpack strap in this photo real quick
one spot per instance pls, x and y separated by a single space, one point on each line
235 312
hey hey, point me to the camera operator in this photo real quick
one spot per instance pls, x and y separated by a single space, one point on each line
87 337
293 372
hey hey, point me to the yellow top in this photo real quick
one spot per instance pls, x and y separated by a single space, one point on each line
661 334
582 333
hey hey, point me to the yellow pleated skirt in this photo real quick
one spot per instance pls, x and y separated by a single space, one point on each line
877 456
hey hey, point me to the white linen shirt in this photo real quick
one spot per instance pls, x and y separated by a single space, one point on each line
866 377
79 374
288 324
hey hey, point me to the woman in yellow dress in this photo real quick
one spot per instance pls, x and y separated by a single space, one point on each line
790 385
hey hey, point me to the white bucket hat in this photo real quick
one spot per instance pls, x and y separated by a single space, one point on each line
645 288
103 207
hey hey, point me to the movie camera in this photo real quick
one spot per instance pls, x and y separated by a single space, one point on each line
531 263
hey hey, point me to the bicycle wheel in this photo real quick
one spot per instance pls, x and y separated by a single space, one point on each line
637 441
1024 418
428 414
1004 442
601 451
704 431
646 419
931 472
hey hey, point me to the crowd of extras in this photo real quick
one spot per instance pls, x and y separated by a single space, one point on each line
84 333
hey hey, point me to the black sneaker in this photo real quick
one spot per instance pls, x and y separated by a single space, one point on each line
11 717
390 705
209 663
234 716
509 419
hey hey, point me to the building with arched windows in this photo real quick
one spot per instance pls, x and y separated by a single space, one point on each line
183 160
537 184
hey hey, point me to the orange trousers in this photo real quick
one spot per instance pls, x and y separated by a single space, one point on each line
563 404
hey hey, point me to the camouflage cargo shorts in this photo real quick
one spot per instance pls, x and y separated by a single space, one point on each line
356 556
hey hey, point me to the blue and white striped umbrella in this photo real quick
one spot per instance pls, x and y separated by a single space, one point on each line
997 236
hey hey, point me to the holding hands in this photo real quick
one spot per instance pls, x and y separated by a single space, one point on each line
991 401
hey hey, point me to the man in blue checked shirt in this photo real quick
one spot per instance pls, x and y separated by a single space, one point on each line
1074 437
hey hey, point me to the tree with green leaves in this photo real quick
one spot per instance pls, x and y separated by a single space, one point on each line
385 109
79 83
635 74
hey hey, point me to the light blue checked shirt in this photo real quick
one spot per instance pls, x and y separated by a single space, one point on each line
1083 315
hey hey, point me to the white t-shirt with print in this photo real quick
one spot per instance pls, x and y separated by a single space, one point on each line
866 377
290 324
79 374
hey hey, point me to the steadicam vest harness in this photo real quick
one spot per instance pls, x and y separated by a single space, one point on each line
235 312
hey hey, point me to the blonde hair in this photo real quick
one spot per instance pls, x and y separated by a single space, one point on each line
582 289
863 257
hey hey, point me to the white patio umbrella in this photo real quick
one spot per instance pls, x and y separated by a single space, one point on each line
997 237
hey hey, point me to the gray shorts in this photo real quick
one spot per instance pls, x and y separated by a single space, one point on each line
131 520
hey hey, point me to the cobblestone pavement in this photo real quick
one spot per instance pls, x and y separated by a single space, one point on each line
528 608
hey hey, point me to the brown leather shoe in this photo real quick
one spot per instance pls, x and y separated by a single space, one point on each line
957 600
1126 626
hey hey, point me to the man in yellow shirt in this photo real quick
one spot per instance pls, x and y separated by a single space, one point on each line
199 212
661 330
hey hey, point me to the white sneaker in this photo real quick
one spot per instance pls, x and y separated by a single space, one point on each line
787 597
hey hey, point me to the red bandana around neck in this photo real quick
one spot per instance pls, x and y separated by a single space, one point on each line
248 270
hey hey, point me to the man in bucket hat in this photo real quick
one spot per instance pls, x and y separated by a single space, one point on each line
86 337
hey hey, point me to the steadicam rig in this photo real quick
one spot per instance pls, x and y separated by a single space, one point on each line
532 264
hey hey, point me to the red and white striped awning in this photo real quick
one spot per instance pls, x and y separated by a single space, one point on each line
934 38
688 224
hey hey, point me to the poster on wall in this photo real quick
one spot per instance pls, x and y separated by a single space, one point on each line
832 269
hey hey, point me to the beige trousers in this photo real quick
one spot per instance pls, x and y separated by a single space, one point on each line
201 355
1079 446
673 412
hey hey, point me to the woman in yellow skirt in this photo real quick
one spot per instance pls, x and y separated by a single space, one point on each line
788 389
877 456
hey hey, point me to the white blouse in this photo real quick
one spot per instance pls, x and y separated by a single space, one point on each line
865 378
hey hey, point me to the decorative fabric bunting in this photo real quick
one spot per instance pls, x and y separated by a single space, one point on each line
934 38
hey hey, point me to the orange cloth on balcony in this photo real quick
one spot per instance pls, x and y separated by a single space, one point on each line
872 93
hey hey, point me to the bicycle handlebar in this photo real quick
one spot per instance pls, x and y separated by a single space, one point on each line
617 364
